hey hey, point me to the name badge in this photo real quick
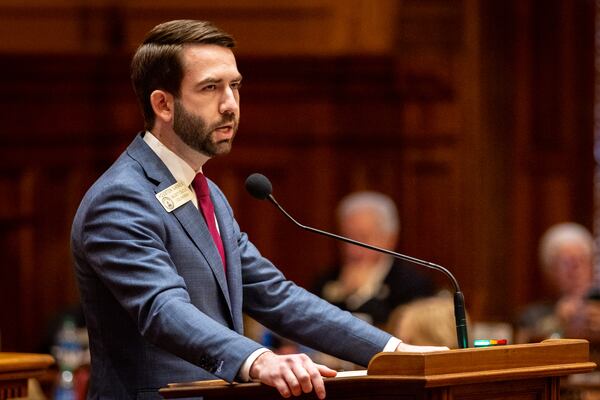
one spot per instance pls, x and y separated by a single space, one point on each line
174 196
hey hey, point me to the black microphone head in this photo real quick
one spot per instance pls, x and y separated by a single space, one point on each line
259 186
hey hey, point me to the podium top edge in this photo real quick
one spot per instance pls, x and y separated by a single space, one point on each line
547 353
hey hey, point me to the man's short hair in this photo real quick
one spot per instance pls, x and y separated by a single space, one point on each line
383 205
157 64
558 235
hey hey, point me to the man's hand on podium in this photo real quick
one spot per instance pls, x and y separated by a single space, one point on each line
409 348
291 374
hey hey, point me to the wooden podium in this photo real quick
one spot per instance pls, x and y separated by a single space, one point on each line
528 371
17 368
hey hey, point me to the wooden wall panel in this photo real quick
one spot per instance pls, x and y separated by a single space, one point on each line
262 27
552 160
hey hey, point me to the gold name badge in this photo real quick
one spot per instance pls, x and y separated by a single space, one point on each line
174 196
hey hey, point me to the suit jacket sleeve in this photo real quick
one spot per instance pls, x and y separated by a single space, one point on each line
295 313
119 236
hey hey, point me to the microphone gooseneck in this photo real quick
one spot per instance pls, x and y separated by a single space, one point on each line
260 187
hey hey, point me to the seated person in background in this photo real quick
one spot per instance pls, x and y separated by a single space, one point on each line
426 321
371 284
566 255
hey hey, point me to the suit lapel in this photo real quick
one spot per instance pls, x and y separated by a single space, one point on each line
194 224
188 215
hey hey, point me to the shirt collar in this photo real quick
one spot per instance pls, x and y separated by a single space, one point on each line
181 170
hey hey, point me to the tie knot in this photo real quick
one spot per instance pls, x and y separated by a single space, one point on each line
201 185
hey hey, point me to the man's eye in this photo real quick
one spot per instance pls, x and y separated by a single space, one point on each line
209 87
236 85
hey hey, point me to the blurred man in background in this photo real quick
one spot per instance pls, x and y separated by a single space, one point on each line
566 255
371 284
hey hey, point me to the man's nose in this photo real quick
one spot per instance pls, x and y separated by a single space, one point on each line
229 102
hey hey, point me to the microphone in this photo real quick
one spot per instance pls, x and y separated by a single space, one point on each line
260 187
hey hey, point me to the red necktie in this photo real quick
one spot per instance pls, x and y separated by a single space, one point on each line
208 211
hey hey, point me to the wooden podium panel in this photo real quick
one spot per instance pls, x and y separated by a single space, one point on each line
17 368
529 371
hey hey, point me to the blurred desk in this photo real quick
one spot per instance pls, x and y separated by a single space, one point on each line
17 368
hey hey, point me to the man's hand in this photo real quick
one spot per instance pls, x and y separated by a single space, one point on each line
291 374
419 349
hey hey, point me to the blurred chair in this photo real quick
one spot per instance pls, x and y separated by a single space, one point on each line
426 322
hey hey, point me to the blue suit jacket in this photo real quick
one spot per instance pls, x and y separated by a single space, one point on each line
159 306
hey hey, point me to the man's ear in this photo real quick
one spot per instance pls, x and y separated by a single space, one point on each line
163 104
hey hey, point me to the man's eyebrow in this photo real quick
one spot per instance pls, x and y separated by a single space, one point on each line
209 81
217 80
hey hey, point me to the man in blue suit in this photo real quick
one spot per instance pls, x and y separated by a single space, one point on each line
163 268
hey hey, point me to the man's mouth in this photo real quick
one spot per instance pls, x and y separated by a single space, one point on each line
224 128
224 132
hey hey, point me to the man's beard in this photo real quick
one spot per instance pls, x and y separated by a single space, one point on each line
194 131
